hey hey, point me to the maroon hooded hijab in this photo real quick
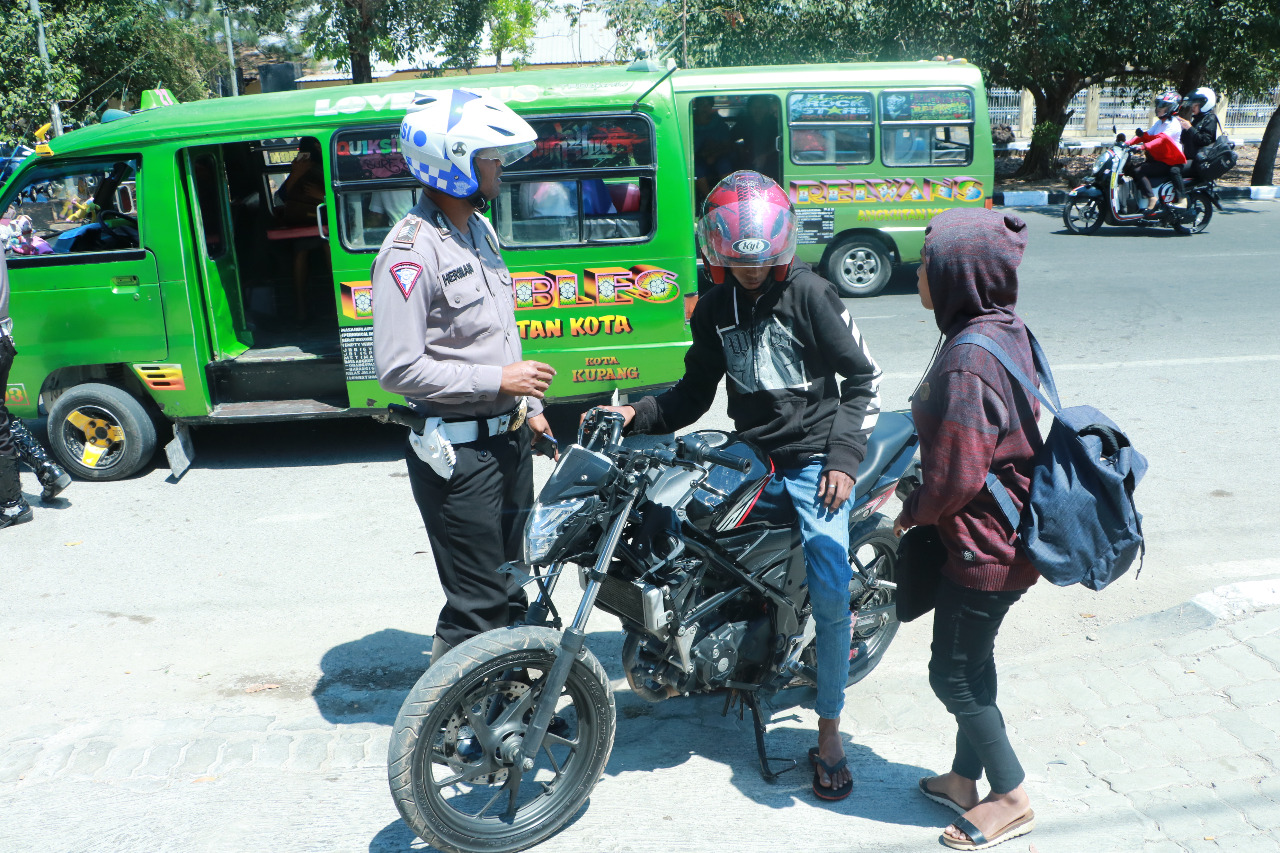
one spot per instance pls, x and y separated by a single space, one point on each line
971 416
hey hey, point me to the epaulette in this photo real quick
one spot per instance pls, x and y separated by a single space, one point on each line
407 232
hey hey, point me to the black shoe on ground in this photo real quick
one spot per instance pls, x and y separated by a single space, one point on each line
19 513
53 478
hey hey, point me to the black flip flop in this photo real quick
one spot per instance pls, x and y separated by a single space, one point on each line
819 790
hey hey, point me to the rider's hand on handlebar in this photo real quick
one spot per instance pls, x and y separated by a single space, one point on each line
834 489
628 413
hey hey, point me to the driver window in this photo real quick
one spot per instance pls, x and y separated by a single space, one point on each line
73 208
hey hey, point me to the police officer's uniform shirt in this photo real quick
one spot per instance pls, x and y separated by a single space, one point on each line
444 316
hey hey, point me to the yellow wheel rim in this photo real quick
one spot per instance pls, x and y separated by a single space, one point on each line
99 434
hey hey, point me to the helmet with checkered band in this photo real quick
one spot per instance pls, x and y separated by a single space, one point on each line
445 131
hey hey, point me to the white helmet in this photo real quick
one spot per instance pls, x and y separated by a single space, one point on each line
1203 96
445 130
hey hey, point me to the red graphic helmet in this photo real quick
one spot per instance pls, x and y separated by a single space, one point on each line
747 221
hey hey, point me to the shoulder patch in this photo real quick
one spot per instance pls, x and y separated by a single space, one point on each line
406 275
407 232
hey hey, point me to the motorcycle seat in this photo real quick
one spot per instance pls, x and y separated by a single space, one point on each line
892 432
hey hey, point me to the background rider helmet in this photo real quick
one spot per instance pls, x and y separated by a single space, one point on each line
444 132
1204 98
1166 103
747 221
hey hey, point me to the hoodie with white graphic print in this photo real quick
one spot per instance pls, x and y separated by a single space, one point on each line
783 354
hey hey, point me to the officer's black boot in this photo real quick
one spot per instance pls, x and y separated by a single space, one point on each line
52 476
13 509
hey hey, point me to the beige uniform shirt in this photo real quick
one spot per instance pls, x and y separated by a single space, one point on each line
444 316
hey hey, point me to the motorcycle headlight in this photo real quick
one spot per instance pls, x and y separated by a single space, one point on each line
1101 162
543 527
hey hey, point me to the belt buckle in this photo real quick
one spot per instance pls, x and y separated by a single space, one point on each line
517 418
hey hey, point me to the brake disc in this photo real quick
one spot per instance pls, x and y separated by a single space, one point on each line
458 737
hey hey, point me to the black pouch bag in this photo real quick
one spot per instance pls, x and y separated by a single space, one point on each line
919 571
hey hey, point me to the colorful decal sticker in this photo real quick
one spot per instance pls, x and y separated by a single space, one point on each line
933 105
880 190
815 225
357 352
588 142
598 286
357 299
161 377
371 154
406 274
884 214
829 107
603 369
608 324
16 395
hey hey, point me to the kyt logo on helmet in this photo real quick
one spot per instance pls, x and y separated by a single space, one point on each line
747 221
445 131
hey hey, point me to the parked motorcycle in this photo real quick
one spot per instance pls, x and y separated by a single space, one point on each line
1111 196
502 740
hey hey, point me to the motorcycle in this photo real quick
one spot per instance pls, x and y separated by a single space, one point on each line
1111 196
502 740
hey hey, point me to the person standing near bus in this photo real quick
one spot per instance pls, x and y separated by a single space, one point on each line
445 337
13 509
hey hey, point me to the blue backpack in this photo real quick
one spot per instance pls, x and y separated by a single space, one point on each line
1080 524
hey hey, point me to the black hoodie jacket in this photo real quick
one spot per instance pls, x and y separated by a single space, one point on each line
782 353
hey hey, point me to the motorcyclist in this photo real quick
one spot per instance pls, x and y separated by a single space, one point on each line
1163 147
1201 130
781 334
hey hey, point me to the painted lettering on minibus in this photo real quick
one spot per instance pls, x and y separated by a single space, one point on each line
598 286
402 100
880 190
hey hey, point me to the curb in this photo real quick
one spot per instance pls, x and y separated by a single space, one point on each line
1041 198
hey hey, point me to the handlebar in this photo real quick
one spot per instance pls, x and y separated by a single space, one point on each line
698 449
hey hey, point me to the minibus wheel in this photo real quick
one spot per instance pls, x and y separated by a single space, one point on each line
859 266
101 432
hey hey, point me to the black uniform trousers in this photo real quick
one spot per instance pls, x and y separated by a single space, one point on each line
962 673
475 522
7 352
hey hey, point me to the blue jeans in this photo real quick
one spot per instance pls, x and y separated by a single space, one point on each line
826 559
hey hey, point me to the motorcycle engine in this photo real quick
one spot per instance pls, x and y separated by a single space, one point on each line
715 656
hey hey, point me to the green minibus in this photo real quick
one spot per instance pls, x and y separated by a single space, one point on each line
208 262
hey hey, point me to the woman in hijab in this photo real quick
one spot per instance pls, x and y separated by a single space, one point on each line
972 417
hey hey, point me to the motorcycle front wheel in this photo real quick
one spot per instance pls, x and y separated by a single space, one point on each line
446 767
1082 216
873 551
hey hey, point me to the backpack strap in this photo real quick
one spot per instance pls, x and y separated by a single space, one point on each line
994 486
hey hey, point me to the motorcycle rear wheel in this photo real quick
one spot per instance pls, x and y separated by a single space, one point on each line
873 550
446 776
1199 210
1082 216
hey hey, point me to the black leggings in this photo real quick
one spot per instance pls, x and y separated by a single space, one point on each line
962 673
7 352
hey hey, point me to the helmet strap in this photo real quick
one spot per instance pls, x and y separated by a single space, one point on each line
478 201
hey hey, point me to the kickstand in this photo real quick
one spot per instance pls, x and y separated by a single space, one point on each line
749 699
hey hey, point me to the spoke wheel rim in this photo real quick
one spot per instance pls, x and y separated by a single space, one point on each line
475 796
94 436
1084 214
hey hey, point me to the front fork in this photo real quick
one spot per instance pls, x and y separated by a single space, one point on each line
572 642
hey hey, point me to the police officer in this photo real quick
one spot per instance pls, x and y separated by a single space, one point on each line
445 337
13 509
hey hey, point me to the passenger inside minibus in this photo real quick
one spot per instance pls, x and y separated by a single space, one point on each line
733 132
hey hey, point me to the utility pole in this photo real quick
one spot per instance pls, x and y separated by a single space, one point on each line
684 33
231 52
48 69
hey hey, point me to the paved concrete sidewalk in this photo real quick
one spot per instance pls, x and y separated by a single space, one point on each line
1160 734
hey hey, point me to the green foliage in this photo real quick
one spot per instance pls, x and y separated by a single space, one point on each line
511 27
97 49
353 32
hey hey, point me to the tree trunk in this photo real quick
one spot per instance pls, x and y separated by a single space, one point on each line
361 67
1264 169
1051 117
1192 76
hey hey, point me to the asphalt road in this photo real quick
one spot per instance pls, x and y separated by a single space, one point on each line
291 555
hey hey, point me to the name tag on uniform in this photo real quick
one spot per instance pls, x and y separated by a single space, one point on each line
450 276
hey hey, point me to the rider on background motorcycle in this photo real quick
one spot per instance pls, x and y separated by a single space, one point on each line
1164 150
782 335
1202 128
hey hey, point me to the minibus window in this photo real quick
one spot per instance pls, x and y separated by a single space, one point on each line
831 127
372 183
926 127
590 180
74 208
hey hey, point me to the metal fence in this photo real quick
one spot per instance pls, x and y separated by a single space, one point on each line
1123 108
